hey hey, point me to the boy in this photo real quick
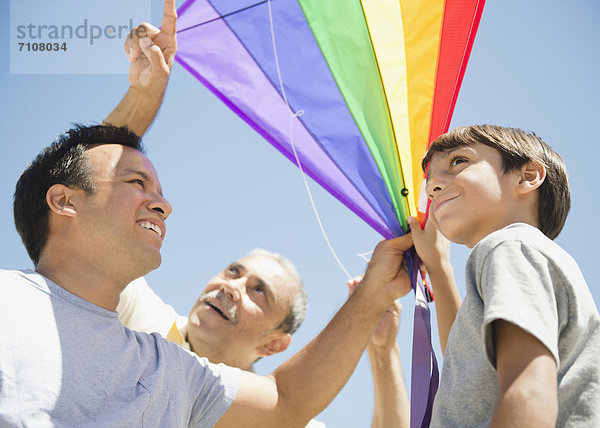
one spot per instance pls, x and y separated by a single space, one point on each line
523 349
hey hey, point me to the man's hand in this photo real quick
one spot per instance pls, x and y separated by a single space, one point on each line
384 336
391 407
151 52
387 274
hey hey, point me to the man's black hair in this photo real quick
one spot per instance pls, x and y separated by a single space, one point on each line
62 162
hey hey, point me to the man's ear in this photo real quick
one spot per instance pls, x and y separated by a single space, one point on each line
275 345
59 199
532 175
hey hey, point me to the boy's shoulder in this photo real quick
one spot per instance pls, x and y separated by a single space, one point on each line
520 234
521 244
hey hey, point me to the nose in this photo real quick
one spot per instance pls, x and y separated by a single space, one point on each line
435 183
233 288
161 205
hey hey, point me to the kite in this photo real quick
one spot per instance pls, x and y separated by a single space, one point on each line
352 92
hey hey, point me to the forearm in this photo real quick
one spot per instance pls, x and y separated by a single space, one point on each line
137 110
447 300
391 407
328 361
304 385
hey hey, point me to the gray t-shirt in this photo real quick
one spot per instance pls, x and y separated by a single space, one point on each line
67 362
519 275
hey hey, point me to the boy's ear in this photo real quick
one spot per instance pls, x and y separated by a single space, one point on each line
275 345
532 175
59 200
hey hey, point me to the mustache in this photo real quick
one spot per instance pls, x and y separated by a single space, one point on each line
224 300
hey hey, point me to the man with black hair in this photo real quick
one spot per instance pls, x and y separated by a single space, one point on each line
65 358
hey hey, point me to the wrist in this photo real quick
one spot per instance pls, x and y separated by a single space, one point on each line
383 356
375 297
442 268
147 97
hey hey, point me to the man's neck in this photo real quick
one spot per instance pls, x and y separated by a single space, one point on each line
83 280
213 356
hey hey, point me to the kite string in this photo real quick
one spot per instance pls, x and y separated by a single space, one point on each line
294 115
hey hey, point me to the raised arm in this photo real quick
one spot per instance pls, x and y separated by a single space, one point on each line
151 53
303 386
434 251
391 406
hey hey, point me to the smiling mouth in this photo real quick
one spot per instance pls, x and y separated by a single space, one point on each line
151 226
217 310
444 202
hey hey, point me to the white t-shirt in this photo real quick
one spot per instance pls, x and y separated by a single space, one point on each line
141 309
65 361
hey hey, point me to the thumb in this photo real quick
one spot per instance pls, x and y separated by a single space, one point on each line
351 287
413 222
416 227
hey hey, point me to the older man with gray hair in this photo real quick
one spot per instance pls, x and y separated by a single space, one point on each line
247 311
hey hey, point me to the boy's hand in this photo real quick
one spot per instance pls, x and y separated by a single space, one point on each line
433 249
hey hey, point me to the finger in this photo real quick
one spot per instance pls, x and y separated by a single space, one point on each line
416 231
398 306
169 19
351 287
132 42
415 224
145 30
402 243
154 54
131 46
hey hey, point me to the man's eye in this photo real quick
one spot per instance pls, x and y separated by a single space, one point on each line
138 181
233 270
259 289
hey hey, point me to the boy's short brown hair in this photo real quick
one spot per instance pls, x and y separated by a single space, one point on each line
517 148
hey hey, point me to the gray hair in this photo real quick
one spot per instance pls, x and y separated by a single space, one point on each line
297 311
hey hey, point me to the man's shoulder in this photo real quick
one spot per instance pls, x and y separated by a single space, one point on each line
14 272
8 276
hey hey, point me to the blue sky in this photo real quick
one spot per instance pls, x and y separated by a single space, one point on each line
534 65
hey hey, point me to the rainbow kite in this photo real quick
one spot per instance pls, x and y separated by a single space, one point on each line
357 89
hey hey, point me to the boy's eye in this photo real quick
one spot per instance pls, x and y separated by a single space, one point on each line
457 160
259 289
